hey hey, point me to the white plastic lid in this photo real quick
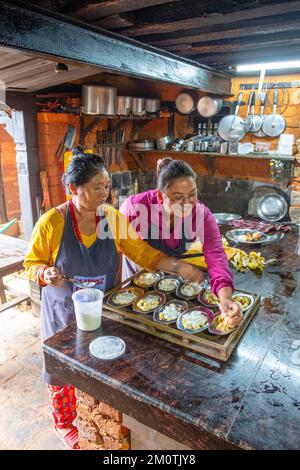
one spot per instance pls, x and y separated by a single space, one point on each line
107 347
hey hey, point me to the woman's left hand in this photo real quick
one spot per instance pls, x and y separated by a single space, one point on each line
231 311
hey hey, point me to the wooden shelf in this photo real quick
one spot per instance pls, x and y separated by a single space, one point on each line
213 155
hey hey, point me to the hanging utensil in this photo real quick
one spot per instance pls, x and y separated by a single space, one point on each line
256 119
274 124
248 118
209 106
232 125
263 95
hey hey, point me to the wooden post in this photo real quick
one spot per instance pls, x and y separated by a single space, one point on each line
24 132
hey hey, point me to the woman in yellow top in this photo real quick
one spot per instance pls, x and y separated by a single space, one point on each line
64 242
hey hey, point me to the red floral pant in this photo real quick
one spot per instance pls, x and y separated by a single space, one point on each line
63 405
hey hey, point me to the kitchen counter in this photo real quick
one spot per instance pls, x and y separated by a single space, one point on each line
251 402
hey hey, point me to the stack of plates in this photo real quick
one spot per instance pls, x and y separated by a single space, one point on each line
142 145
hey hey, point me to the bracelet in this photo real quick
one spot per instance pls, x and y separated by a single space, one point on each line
40 275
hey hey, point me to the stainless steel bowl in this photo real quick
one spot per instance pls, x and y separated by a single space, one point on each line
224 217
236 236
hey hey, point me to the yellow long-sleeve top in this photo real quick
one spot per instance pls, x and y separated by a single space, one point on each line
47 234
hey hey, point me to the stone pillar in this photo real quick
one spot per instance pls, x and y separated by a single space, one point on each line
99 425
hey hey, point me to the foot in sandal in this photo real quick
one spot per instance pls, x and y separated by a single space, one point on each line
69 436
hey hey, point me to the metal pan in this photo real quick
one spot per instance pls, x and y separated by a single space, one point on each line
186 102
232 124
248 118
263 96
274 124
256 118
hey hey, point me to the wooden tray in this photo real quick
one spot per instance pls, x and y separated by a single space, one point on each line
219 347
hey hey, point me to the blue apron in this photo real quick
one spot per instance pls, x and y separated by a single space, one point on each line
100 262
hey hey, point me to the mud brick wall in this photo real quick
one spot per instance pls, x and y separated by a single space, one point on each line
99 425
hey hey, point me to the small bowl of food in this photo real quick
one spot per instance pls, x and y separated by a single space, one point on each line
169 312
149 302
220 326
147 279
188 290
207 298
195 320
168 284
125 297
244 301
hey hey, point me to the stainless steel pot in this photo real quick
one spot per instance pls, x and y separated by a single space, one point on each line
99 99
208 106
138 106
163 142
152 105
186 102
124 105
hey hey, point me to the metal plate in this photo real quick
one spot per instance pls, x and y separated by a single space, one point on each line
107 347
235 236
207 312
184 306
249 297
224 218
272 208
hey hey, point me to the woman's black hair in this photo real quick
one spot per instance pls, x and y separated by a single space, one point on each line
174 170
82 168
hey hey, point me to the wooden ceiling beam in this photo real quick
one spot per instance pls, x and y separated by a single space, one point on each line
98 10
54 37
234 58
242 30
214 19
211 49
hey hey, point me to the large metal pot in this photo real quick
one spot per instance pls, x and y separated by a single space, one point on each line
152 105
124 105
163 142
208 106
138 106
99 99
186 102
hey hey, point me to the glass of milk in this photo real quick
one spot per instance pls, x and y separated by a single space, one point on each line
88 308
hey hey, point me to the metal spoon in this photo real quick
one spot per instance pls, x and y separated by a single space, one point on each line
82 284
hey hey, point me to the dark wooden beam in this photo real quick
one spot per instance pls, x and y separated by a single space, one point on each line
214 19
242 30
112 22
94 11
238 46
234 58
55 37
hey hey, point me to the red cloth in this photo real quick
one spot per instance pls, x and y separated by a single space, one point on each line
63 405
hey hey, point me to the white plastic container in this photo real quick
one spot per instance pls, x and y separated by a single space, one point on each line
88 308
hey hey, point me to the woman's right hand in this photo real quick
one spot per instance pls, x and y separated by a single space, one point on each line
52 276
189 272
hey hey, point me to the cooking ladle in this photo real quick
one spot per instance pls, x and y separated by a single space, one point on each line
78 283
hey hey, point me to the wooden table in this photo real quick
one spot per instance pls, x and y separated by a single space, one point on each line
250 402
12 255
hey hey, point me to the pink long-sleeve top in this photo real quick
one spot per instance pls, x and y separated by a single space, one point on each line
204 226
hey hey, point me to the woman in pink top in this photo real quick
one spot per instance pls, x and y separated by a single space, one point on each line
171 219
